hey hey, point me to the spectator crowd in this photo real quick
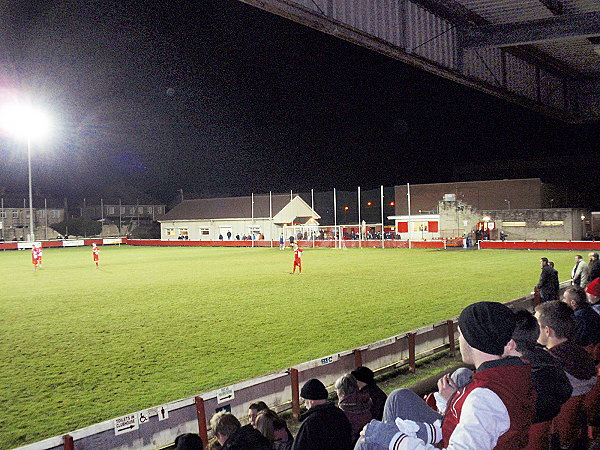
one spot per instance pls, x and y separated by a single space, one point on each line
529 382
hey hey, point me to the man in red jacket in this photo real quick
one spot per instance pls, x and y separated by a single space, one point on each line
494 410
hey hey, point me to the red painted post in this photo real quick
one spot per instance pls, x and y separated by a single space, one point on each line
68 442
412 351
537 299
451 339
295 393
357 357
201 414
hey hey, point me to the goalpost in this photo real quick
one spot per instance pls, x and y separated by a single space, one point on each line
315 235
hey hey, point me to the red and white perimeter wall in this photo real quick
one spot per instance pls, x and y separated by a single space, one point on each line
540 245
160 243
433 244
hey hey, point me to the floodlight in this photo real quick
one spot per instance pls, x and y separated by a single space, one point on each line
24 121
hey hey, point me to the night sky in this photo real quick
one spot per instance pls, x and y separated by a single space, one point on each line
218 98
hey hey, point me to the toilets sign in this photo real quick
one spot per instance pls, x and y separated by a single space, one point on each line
127 423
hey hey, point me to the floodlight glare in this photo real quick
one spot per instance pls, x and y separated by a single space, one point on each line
24 121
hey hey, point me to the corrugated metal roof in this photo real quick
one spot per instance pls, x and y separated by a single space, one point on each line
508 11
529 51
577 53
226 208
580 6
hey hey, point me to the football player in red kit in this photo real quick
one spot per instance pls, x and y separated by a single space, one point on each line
96 253
297 258
39 254
34 257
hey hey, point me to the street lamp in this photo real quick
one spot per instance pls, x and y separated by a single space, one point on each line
24 121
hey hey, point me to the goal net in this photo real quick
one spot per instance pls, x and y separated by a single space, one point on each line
315 235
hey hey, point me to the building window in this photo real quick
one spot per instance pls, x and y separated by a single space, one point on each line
55 213
140 210
170 231
149 209
2 214
40 213
204 231
111 210
159 210
183 232
132 210
420 226
15 214
122 210
551 223
514 224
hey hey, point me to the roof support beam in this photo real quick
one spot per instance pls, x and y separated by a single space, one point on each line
555 6
521 33
452 11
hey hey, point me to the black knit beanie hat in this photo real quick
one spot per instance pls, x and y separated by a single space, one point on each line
487 326
313 389
364 374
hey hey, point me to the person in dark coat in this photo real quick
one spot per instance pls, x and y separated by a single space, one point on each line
594 266
232 436
188 441
365 379
548 378
356 404
274 429
587 330
324 426
546 284
555 280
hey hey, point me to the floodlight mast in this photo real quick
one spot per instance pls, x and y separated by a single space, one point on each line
31 229
23 120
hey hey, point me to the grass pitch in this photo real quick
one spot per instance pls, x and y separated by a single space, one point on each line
79 345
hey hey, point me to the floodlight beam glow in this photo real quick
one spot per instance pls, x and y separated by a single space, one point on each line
24 121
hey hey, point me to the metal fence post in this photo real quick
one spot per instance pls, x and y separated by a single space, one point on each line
68 442
412 339
201 414
357 357
295 393
451 339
